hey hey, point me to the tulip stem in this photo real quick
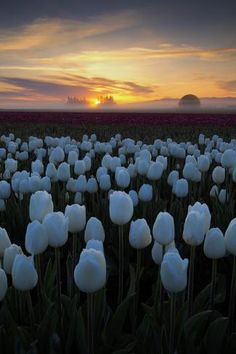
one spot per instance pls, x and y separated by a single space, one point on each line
232 297
39 285
213 283
58 267
172 324
90 323
191 280
74 255
138 268
30 308
121 264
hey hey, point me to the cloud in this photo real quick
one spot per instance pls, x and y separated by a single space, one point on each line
227 85
65 85
50 33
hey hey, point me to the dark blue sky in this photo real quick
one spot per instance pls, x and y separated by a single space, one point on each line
196 13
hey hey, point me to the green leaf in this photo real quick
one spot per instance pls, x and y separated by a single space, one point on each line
216 335
195 329
115 325
81 333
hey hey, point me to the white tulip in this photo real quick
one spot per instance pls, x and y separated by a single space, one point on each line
9 256
56 225
90 272
164 228
95 244
145 193
203 163
4 241
228 158
5 190
36 239
139 234
134 196
94 230
76 215
92 185
120 208
157 253
230 239
40 205
194 228
181 188
63 172
174 272
214 244
105 182
218 174
24 274
122 178
204 210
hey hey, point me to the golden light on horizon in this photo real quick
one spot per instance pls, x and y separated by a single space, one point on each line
97 102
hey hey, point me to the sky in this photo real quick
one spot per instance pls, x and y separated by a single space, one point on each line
137 51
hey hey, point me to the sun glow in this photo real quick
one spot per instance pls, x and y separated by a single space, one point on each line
97 102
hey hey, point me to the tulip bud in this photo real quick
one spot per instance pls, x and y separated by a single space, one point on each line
157 253
203 163
134 196
92 185
51 172
24 274
3 284
5 190
11 165
9 257
122 178
218 174
120 208
46 184
36 239
228 159
63 172
76 215
174 272
72 157
173 177
181 188
40 205
214 244
105 182
139 234
34 183
4 241
81 184
214 191
142 167
56 225
223 196
194 228
164 228
204 210
80 167
145 193
90 272
94 230
95 244
155 171
230 240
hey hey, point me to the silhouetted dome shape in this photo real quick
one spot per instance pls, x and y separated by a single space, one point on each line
189 101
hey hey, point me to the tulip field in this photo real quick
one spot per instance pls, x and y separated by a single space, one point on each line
116 243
